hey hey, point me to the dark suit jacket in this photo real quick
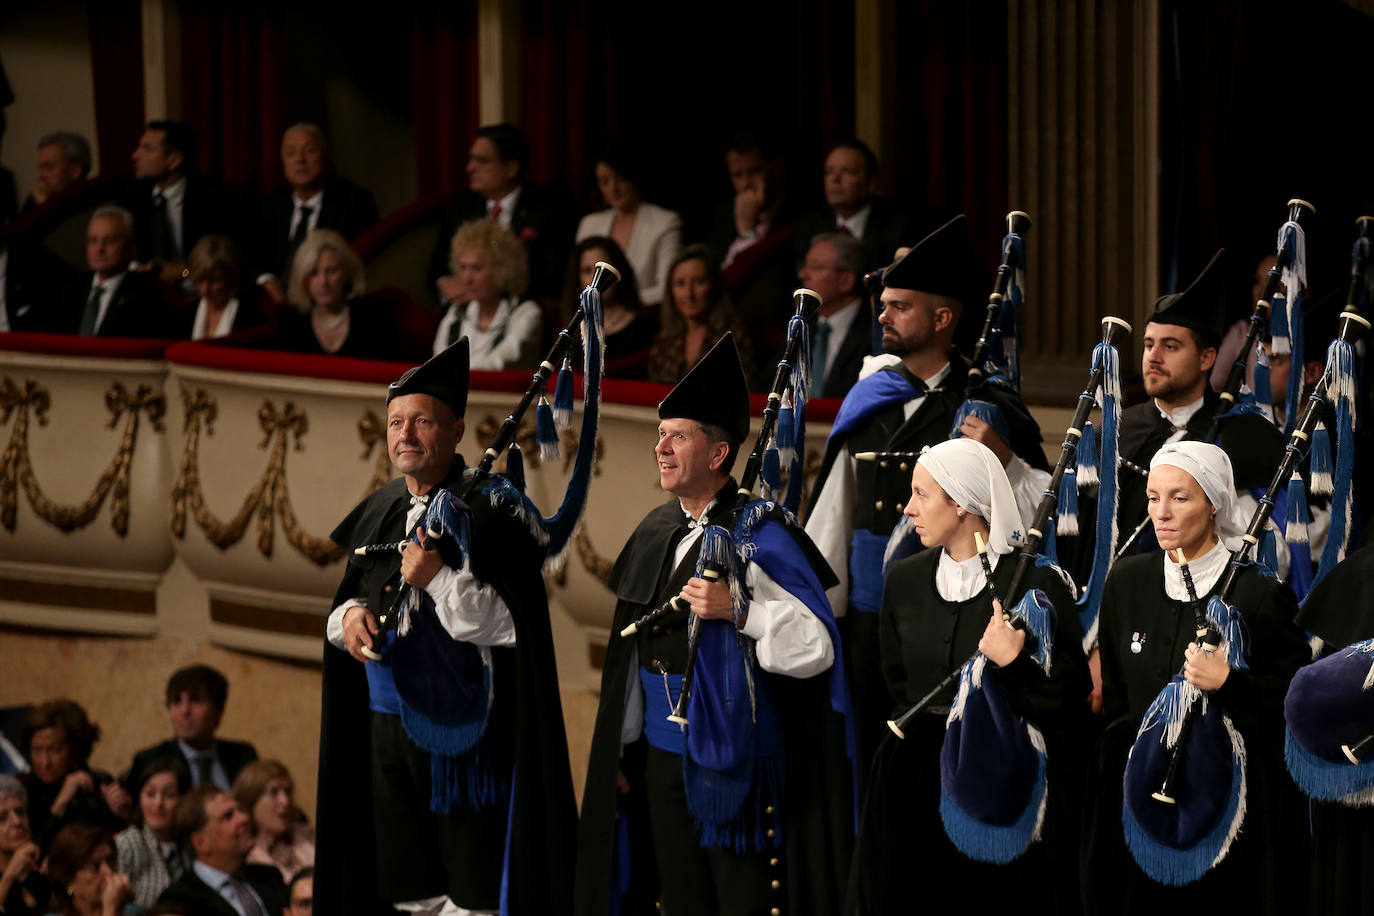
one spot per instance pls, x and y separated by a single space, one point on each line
233 756
843 371
254 312
349 210
199 898
34 279
138 308
888 228
539 221
761 279
209 208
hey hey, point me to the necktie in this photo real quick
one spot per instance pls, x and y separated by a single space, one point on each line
165 245
820 347
293 244
844 229
204 763
91 312
247 901
494 214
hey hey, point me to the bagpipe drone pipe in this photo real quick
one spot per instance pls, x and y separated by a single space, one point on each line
1185 780
993 763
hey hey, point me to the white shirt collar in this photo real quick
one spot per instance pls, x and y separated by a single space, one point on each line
174 194
313 200
507 206
840 321
1205 570
961 580
226 321
857 223
1179 416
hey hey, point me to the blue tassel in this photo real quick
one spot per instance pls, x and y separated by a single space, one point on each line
1040 617
1105 535
1235 638
1264 396
546 432
1340 367
1067 524
1298 519
1267 557
1088 472
1049 546
771 471
563 397
1320 467
515 467
986 411
786 430
1293 396
1279 342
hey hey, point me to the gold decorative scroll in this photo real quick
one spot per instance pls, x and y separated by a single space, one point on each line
16 466
269 497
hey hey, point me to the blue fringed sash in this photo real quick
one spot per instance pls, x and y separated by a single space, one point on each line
1104 549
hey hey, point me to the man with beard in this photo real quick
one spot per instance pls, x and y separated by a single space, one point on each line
908 403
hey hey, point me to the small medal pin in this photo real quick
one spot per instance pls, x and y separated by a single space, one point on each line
1137 642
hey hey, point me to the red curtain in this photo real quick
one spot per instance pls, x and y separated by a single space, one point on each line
233 89
117 70
444 95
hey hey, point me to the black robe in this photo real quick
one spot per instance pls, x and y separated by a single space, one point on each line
1259 874
542 823
883 488
819 819
902 841
1341 878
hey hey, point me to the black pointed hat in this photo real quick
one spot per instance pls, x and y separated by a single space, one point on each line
713 391
941 263
444 376
1202 306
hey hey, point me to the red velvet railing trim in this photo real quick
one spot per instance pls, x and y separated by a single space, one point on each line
69 345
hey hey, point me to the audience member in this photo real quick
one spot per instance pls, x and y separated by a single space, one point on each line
224 307
23 889
300 894
498 191
330 315
649 235
281 837
195 699
853 207
64 158
219 883
31 280
316 198
84 882
62 789
148 851
695 315
111 300
841 332
751 240
629 327
491 268
172 205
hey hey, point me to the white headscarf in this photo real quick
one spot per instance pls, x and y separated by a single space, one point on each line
971 475
1211 468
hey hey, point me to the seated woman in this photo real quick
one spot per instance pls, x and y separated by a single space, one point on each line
80 866
148 851
937 610
281 837
331 315
630 328
502 331
695 314
224 308
1146 633
23 889
62 789
649 235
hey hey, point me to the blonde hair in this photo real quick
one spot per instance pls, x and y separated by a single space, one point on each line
308 255
215 252
505 252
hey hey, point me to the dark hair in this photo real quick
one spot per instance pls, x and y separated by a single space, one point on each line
189 815
177 138
510 142
168 763
626 291
862 148
624 159
307 872
750 141
81 733
75 148
721 311
199 679
716 433
71 849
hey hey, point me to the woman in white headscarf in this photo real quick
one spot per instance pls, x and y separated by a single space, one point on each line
937 611
1146 635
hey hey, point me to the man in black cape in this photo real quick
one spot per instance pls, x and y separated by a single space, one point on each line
485 822
786 847
909 403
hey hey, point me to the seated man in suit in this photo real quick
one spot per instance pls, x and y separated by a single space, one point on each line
31 279
64 158
852 206
498 190
212 825
841 336
195 703
316 198
172 205
111 300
